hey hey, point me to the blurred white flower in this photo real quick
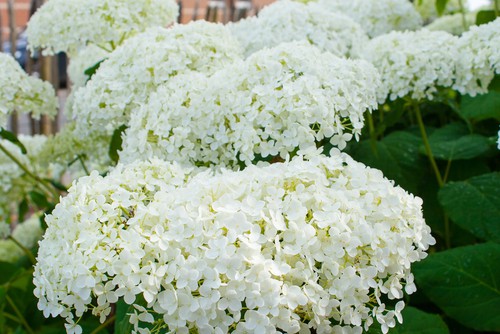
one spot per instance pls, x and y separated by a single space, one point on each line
23 93
453 23
377 17
287 21
413 63
83 60
27 233
70 25
14 183
479 58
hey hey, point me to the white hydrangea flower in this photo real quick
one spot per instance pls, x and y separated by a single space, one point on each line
71 25
82 61
413 63
133 71
66 151
452 23
95 214
296 245
275 102
377 17
26 233
479 59
287 21
23 93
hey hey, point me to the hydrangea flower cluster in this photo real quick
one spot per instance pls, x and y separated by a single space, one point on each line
70 25
98 210
134 70
479 59
26 233
287 21
276 101
377 17
290 247
413 63
23 93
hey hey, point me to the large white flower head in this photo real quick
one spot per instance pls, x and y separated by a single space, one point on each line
292 246
144 62
96 213
413 63
70 25
274 103
287 21
479 59
377 17
23 93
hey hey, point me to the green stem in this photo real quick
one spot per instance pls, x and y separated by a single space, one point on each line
447 171
462 13
496 8
39 181
25 250
428 150
447 238
104 324
371 129
83 165
19 315
11 317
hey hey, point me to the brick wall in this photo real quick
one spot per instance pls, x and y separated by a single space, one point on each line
21 9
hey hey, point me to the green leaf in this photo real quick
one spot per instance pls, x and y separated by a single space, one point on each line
23 209
415 321
116 143
485 16
8 270
495 84
474 205
481 107
396 155
3 294
57 185
39 199
419 322
441 6
93 69
10 136
453 142
464 282
122 324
